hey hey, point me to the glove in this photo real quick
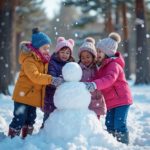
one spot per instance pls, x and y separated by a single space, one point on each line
90 86
56 81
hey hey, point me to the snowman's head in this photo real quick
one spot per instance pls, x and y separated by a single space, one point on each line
72 72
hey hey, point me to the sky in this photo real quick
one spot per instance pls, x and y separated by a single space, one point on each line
51 7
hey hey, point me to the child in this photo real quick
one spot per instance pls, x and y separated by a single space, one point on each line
87 60
29 89
61 56
110 79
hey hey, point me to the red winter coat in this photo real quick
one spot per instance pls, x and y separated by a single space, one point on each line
110 80
97 101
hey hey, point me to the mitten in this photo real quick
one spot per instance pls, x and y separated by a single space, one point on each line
56 81
90 86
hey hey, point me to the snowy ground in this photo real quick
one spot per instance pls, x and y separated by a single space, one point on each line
138 123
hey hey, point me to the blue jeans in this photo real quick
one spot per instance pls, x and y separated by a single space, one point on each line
116 119
23 115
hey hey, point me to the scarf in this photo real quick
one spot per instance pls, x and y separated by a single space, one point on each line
44 58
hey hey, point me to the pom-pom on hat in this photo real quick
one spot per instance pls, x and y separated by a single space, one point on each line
109 45
39 38
88 45
62 42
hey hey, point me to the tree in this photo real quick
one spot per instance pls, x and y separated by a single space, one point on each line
108 18
142 55
126 39
6 26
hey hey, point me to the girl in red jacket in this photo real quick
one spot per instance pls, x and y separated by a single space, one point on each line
110 80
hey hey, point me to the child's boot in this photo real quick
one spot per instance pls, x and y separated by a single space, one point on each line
26 130
123 137
111 132
30 130
12 132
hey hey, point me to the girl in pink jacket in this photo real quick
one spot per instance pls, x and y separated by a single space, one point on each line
87 60
110 80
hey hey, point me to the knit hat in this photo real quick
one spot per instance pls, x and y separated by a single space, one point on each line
109 45
62 42
88 45
39 38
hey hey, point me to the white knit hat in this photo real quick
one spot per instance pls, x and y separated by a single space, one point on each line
88 45
109 45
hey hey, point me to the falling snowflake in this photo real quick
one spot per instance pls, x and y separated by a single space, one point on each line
76 34
21 93
57 20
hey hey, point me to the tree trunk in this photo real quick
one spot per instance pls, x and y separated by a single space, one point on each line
108 20
13 43
5 45
18 37
142 55
8 44
126 40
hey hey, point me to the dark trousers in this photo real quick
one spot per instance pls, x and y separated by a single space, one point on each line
46 116
116 119
23 115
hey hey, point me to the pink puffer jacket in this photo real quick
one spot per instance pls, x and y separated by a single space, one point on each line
97 101
110 80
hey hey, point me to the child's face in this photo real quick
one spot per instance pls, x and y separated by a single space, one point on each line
64 54
86 58
100 56
45 49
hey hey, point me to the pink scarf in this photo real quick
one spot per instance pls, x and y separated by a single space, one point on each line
44 58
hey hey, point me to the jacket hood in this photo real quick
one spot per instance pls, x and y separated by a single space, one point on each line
118 58
26 52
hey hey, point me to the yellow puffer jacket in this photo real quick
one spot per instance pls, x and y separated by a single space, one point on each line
30 86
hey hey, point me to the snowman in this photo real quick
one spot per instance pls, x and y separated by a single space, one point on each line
72 117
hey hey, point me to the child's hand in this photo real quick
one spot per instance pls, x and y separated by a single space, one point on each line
56 81
90 86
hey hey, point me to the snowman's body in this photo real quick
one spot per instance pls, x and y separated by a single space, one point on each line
72 116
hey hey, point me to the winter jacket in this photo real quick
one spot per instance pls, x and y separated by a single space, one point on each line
55 69
30 85
97 101
110 79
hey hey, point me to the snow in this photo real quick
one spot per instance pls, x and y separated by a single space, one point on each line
72 72
68 96
138 123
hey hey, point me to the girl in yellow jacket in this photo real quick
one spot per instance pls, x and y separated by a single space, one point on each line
30 87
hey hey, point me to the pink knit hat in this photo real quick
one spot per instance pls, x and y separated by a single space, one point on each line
62 42
88 45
